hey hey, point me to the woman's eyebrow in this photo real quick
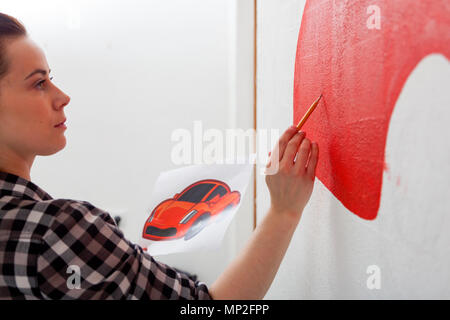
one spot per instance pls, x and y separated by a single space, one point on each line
43 72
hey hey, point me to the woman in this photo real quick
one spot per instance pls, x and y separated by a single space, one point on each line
44 240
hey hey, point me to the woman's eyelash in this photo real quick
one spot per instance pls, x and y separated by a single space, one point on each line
42 81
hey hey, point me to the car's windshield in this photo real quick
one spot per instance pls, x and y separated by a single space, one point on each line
221 191
197 193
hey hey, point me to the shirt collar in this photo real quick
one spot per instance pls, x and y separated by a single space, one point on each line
13 185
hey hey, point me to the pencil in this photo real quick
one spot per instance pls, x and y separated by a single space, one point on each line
308 113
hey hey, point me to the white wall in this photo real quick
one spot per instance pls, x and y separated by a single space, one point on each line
136 71
332 248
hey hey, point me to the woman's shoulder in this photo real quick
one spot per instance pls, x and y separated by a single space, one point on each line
78 210
72 218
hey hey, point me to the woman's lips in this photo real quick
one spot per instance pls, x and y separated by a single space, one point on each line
61 125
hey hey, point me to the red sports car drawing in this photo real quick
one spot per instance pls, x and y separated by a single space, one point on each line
189 211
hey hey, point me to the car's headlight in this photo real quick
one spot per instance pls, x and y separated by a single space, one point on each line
188 216
151 216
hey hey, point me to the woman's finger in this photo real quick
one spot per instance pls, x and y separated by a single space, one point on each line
312 164
291 150
302 156
283 142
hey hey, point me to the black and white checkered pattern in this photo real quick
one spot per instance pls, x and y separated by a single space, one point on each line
44 240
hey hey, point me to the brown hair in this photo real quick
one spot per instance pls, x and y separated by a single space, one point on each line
10 28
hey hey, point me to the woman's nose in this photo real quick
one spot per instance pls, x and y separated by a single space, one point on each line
62 100
66 101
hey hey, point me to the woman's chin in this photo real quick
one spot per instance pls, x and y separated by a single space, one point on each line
54 148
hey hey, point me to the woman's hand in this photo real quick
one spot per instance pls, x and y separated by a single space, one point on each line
291 186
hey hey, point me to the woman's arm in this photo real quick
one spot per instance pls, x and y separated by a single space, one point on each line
250 275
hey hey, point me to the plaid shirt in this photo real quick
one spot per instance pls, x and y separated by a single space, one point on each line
45 243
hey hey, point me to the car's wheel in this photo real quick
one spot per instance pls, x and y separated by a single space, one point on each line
197 226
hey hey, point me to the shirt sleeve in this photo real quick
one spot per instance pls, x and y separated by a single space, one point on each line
86 256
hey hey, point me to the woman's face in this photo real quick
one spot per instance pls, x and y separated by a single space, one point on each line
30 106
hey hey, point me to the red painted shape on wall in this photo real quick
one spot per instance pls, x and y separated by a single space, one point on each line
360 70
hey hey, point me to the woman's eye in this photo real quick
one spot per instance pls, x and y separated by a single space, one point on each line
39 83
42 82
